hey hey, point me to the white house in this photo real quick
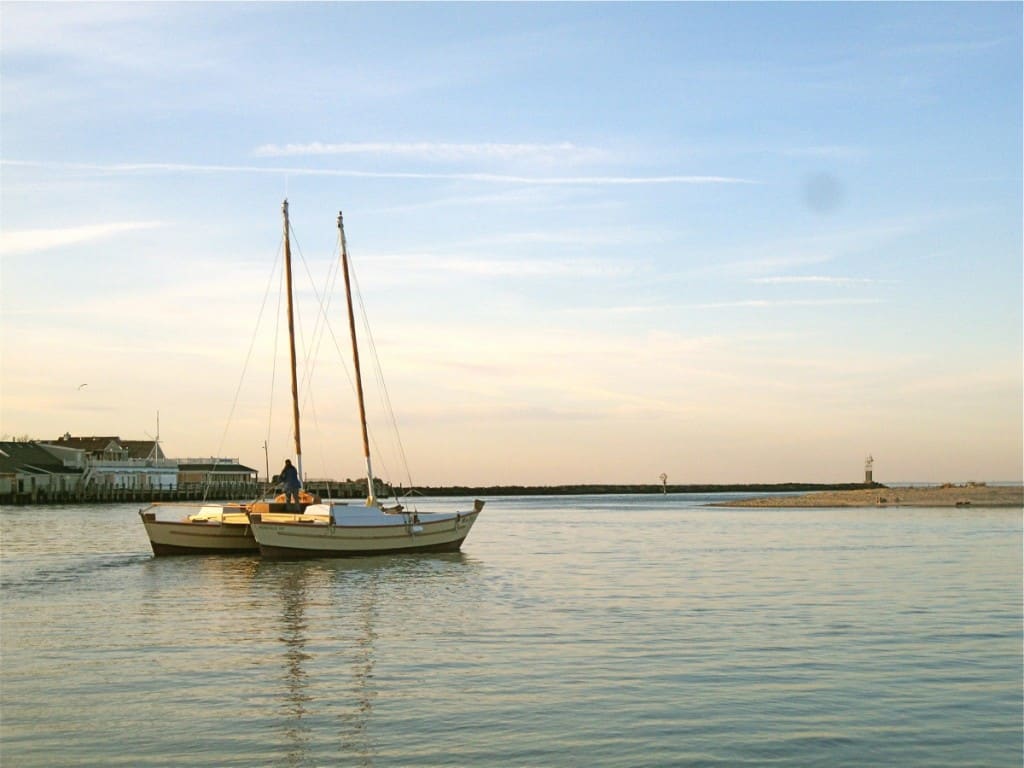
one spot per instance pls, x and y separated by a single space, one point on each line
110 462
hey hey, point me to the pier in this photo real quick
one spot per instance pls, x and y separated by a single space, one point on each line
105 494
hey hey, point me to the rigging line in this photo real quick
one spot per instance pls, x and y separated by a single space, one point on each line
332 279
334 275
306 360
311 352
343 357
245 368
321 327
330 330
322 320
370 434
273 358
383 389
310 362
307 363
319 433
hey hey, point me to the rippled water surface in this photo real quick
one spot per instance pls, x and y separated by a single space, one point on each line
590 631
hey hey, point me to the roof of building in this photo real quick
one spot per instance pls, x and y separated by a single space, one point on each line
92 444
143 449
129 449
185 465
30 458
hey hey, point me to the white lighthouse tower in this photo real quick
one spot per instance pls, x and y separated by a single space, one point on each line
868 462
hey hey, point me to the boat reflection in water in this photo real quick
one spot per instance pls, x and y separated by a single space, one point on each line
355 737
318 686
342 638
293 627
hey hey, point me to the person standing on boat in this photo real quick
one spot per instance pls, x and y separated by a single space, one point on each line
290 481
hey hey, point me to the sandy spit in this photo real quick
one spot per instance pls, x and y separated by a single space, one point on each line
970 495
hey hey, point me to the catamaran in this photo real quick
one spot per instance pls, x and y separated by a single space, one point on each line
339 530
209 528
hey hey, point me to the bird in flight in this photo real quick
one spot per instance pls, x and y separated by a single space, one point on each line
82 385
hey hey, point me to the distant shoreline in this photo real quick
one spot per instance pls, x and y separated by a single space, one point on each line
604 489
349 489
782 494
973 495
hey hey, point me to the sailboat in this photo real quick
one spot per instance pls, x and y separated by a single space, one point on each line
206 529
340 530
198 529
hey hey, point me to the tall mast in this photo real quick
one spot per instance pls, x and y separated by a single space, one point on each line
370 500
291 339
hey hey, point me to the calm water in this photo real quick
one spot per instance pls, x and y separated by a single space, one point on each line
572 631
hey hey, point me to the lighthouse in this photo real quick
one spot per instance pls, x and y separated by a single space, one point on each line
868 462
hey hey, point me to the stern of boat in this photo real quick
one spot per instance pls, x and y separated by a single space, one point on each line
198 530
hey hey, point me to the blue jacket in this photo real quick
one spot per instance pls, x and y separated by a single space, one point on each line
290 477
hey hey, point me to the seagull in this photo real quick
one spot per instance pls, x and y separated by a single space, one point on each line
82 385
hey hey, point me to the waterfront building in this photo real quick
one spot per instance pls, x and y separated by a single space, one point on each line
113 463
214 472
30 471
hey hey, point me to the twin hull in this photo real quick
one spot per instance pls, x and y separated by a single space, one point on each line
350 531
324 530
198 530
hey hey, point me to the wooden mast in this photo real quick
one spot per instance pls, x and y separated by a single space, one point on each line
370 499
291 339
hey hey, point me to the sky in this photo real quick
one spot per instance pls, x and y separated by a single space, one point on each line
595 242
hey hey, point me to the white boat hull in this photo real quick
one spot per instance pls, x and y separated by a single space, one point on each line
198 530
360 531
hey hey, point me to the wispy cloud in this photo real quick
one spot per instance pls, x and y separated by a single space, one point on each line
812 280
534 267
773 303
769 263
122 36
590 237
411 266
796 254
493 178
426 150
827 152
518 195
618 309
949 47
24 241
648 309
